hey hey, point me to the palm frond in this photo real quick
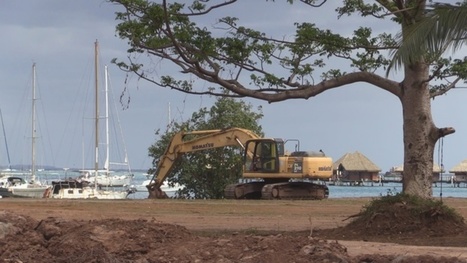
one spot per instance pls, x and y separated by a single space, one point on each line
444 28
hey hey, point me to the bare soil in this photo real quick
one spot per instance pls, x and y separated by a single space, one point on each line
46 230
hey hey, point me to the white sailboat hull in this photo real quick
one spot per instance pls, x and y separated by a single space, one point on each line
12 186
23 192
89 193
76 190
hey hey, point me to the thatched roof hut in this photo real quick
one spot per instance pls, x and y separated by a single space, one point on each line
355 162
460 172
459 168
435 176
355 167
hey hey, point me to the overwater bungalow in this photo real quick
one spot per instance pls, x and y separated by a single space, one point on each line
436 171
460 172
355 169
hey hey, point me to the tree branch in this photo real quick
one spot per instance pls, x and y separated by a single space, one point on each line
439 92
209 9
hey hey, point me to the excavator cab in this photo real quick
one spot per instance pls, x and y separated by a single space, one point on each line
262 155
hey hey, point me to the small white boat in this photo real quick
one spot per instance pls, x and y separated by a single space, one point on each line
81 190
14 186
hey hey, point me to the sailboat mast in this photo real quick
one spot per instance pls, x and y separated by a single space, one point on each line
33 146
6 141
96 72
107 140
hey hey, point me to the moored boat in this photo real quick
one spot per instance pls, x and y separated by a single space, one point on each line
75 189
96 183
14 186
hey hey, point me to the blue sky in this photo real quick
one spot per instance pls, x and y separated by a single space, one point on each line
59 36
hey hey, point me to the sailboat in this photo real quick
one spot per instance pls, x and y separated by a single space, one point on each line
94 186
15 186
105 177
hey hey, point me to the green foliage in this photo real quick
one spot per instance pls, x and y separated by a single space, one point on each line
175 33
459 68
358 6
223 50
206 173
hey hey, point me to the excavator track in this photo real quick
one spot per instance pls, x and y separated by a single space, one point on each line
250 190
295 191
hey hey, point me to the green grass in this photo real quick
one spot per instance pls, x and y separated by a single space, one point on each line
414 204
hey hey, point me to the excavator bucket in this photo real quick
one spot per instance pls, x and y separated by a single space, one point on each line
155 192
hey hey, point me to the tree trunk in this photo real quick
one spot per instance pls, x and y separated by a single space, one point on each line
420 133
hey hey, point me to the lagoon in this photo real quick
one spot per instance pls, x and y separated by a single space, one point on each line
335 191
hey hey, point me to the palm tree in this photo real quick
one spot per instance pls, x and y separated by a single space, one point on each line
443 28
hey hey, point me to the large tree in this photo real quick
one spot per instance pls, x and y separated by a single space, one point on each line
205 174
250 63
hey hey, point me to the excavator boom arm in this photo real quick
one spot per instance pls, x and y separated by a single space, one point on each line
185 142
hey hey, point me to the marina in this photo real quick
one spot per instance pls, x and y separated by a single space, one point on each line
368 189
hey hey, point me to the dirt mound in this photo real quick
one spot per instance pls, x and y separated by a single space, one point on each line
23 239
405 220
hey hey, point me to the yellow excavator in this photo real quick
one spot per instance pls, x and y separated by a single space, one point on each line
268 171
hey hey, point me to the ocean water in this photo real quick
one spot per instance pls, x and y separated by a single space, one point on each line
440 190
335 191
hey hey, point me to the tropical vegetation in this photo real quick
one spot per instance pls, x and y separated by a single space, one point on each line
205 174
208 43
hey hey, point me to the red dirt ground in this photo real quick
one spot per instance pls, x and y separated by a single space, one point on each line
212 231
